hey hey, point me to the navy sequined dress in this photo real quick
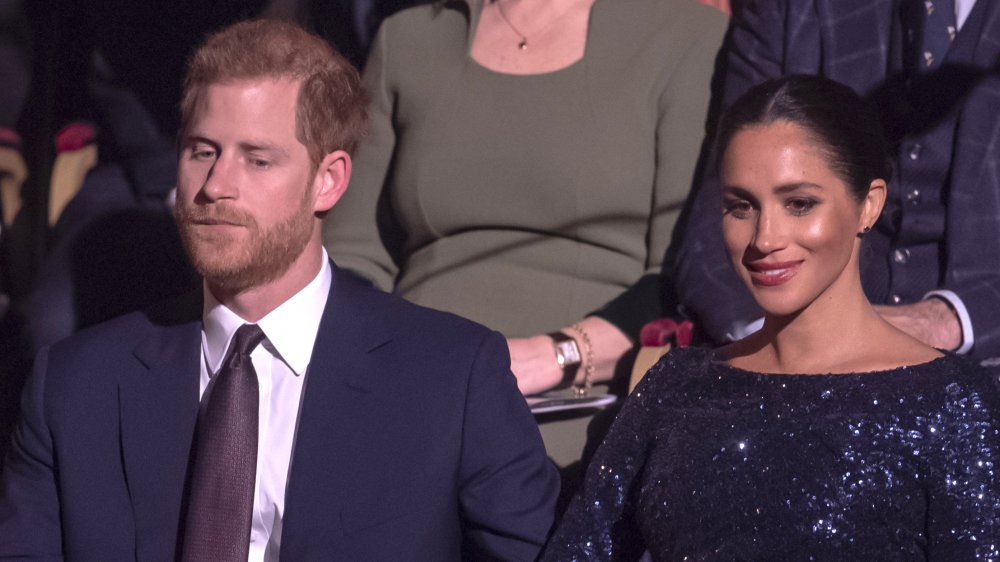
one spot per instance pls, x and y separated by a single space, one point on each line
710 462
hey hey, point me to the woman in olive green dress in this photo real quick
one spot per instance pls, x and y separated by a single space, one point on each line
526 164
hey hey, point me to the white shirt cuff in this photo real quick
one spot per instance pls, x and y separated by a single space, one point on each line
740 330
958 306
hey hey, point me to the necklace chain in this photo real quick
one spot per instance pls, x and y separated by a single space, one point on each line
523 43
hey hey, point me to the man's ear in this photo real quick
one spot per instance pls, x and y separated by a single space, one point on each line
871 205
332 177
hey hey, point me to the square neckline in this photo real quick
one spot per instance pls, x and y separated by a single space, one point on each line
476 8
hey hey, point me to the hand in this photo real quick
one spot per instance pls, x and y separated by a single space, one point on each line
533 361
722 5
931 321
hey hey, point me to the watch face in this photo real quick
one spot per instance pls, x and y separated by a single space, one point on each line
568 352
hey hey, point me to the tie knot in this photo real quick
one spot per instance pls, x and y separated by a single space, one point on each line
248 337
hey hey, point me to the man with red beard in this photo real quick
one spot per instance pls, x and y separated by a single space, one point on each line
288 410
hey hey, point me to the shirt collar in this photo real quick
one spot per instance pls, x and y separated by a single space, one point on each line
291 328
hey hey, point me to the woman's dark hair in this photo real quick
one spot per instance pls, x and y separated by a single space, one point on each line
844 126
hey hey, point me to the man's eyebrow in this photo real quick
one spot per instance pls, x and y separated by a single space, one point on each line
194 138
252 146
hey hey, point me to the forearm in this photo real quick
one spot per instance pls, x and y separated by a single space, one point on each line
646 300
601 346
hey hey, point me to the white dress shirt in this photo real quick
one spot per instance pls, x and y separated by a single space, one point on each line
281 362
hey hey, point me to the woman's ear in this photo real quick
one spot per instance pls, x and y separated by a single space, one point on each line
871 205
332 177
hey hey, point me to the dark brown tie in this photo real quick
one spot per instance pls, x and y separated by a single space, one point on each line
220 504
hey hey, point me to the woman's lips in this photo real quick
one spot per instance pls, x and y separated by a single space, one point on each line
772 274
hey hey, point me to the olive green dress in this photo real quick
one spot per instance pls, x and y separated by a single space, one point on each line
525 202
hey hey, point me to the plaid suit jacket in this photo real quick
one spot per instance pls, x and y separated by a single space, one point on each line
859 43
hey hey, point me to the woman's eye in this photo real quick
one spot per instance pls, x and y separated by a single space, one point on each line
738 208
259 163
800 206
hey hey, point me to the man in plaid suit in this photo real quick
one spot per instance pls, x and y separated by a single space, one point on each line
933 260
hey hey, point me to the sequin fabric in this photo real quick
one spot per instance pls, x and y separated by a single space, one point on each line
709 462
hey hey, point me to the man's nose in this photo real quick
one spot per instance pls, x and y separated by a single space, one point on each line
221 181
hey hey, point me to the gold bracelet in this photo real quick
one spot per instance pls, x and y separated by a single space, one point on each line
588 366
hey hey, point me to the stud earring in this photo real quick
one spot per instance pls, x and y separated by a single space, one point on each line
866 230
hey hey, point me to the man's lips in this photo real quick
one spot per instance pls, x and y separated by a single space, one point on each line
212 218
213 228
770 274
215 222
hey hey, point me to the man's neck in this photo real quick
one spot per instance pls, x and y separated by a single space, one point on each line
254 303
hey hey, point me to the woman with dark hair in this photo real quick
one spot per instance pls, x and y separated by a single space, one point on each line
827 435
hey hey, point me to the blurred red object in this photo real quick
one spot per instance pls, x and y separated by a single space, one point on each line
9 138
75 136
659 332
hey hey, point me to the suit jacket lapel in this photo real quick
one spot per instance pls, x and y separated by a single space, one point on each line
332 434
158 405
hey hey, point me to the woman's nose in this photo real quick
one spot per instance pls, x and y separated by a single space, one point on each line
769 235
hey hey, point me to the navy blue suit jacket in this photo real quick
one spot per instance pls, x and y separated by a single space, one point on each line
859 43
413 441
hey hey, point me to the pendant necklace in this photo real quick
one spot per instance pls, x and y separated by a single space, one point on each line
523 43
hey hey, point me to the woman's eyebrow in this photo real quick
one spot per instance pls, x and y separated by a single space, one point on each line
737 191
788 187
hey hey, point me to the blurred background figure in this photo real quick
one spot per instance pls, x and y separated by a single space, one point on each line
92 236
15 75
350 25
525 168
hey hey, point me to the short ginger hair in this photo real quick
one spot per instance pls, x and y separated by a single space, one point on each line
331 109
